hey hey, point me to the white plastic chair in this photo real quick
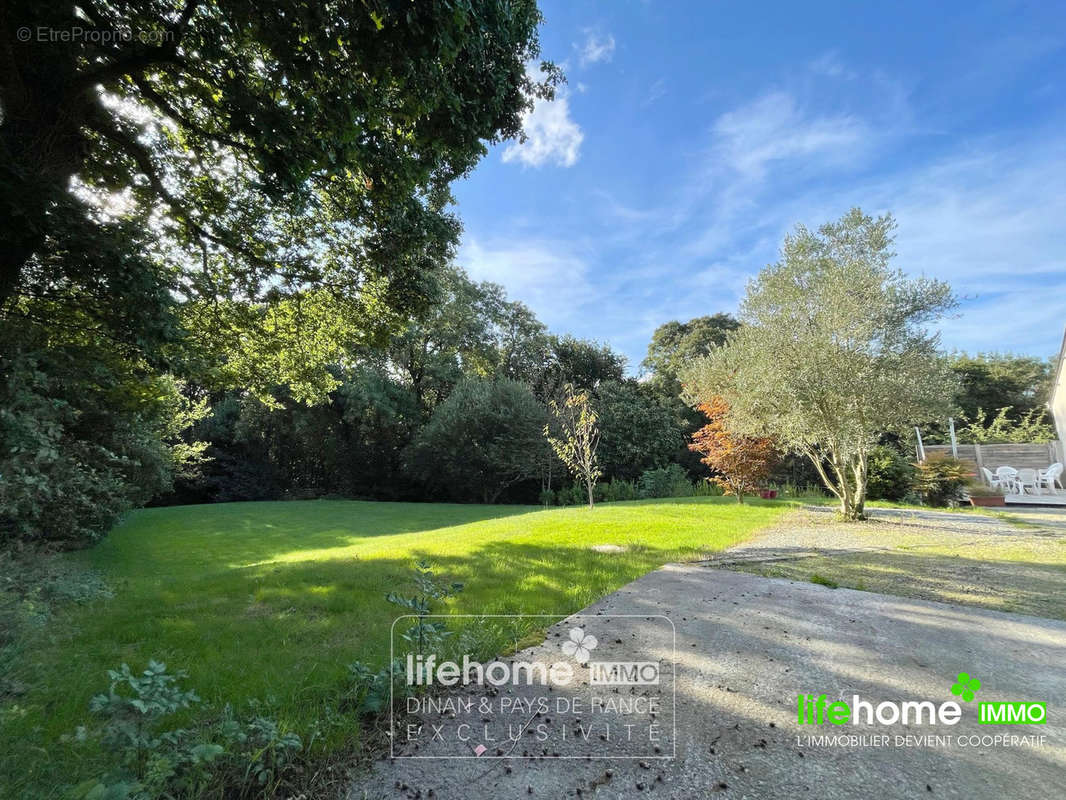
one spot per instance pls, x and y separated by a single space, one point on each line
992 480
1008 479
1027 479
1050 477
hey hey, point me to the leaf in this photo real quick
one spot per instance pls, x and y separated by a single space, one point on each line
204 753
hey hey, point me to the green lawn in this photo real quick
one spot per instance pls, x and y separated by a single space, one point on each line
270 601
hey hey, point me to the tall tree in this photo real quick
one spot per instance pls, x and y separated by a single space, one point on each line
832 352
479 442
991 381
674 345
581 363
638 431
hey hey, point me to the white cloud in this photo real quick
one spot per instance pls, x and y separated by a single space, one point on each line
596 49
549 276
985 215
987 219
657 90
552 136
830 65
773 128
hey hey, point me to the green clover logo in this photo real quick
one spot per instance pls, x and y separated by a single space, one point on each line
965 686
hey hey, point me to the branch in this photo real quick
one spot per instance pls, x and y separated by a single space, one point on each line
164 105
138 62
140 155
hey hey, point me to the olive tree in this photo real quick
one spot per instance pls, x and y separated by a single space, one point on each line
834 350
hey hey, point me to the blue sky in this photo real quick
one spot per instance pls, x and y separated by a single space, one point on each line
691 137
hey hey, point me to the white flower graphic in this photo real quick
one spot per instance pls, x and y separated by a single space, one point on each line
579 645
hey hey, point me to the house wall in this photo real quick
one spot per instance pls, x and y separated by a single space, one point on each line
1058 397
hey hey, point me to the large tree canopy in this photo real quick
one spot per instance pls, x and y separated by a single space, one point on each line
674 345
279 145
832 352
638 432
991 381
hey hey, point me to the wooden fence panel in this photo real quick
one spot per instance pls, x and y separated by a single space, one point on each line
1019 456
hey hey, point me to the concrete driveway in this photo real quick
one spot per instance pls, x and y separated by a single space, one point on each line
746 647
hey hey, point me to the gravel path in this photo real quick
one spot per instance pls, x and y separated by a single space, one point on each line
815 528
1012 561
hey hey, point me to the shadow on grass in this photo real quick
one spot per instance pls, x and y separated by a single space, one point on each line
281 633
237 534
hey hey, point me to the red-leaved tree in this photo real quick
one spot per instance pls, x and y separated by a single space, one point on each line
741 463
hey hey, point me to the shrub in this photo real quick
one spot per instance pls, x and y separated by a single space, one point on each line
547 497
369 691
572 495
889 476
620 490
152 759
940 480
83 444
671 481
638 431
484 438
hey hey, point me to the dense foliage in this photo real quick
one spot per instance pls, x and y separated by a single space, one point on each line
890 475
675 345
638 429
263 129
485 438
86 435
237 211
992 381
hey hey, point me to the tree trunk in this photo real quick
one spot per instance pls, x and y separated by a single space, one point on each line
588 485
859 470
851 512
